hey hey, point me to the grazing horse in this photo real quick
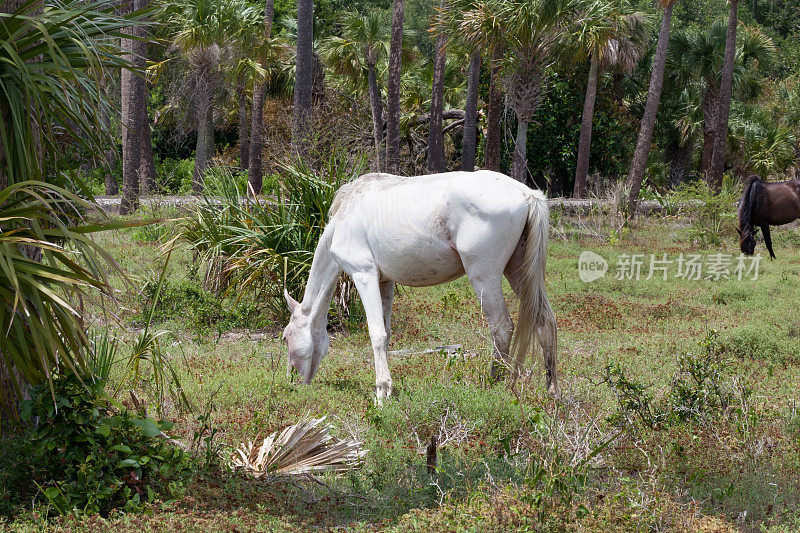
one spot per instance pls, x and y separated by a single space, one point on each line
763 205
423 231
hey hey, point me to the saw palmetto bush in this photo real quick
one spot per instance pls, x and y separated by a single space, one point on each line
40 313
261 245
52 59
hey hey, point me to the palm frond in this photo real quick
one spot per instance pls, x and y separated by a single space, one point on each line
304 448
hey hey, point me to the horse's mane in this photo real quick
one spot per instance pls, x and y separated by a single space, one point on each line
348 191
746 205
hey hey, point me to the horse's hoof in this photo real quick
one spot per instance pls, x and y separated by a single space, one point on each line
382 392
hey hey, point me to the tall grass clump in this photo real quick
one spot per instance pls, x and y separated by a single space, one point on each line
260 245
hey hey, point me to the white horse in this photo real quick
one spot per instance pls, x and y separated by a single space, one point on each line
424 231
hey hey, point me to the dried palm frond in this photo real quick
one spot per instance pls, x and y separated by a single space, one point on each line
303 448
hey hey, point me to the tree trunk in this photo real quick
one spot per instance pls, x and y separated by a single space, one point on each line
494 114
244 140
255 164
132 97
377 111
585 140
519 169
304 79
726 86
202 107
469 146
393 87
647 126
435 135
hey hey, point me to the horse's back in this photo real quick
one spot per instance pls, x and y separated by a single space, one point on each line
425 230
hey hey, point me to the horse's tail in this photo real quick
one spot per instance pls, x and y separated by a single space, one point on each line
536 319
746 207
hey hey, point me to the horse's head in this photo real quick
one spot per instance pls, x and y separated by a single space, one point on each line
747 241
307 345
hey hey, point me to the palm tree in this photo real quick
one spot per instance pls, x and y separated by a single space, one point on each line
255 159
358 54
537 34
60 84
494 113
435 134
133 104
480 24
696 57
636 174
759 143
470 143
714 176
618 40
304 78
393 88
204 28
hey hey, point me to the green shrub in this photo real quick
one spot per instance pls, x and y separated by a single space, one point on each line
762 342
188 301
713 213
702 386
96 458
173 176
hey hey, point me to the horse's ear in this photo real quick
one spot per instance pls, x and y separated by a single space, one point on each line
291 302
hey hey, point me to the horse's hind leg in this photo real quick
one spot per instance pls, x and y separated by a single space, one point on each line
387 297
767 240
493 305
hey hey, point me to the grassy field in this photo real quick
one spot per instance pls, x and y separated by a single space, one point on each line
679 407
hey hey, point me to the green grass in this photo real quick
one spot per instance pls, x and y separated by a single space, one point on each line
692 475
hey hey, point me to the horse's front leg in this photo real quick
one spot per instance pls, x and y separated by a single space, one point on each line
767 240
368 286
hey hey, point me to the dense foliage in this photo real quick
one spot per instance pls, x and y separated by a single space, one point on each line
90 457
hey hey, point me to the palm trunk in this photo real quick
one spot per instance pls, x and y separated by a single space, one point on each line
304 79
377 111
725 90
470 143
519 169
202 106
494 114
393 88
255 163
585 140
132 101
636 174
244 140
435 134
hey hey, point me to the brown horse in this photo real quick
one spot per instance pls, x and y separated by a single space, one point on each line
763 205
